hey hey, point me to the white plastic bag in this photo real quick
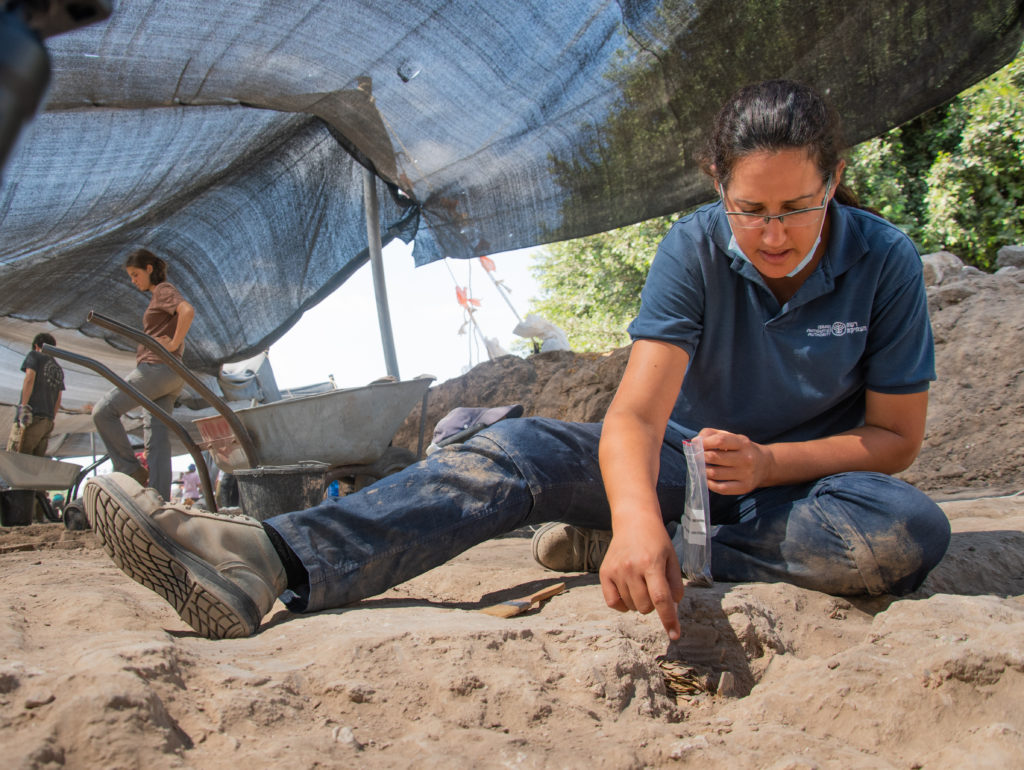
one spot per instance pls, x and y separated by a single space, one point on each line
695 558
541 328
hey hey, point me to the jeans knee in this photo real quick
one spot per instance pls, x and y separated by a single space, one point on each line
515 431
556 459
912 546
928 525
894 533
545 441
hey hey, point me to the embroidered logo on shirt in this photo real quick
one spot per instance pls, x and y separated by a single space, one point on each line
836 329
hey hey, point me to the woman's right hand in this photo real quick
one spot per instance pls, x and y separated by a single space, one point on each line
640 572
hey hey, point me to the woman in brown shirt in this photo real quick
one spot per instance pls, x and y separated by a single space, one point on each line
167 319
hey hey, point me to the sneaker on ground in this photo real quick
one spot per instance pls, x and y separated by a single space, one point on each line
564 548
219 572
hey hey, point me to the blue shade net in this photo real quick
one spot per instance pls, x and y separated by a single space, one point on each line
231 136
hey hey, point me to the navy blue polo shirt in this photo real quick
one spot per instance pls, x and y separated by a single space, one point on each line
797 371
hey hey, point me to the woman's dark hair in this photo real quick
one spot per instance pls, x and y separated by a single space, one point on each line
771 116
143 258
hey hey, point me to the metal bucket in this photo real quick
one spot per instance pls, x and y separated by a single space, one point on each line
272 489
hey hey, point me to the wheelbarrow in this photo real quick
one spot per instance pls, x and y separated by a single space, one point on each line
24 479
292 444
301 443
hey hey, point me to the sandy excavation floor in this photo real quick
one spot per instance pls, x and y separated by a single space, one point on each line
96 671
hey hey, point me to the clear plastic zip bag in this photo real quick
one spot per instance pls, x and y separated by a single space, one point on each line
695 556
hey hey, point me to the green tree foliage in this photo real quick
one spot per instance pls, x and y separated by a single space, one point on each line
976 194
590 287
890 172
875 173
953 178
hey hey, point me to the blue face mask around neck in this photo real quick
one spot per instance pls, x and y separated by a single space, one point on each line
734 248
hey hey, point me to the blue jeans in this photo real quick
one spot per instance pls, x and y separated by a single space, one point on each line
160 384
852 533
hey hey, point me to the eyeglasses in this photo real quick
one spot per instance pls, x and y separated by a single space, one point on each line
798 218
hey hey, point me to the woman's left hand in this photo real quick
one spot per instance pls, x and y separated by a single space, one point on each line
735 464
166 341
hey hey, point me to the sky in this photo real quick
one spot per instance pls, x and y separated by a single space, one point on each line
341 335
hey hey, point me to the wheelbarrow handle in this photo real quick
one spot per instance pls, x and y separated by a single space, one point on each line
152 408
244 440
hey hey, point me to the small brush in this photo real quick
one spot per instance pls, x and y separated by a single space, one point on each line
518 606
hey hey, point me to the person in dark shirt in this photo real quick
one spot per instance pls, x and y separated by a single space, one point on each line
40 397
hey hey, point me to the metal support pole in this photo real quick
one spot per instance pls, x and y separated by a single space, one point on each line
380 289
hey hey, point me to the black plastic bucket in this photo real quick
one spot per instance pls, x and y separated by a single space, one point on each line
272 489
16 507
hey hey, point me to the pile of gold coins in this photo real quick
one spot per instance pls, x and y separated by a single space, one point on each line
683 681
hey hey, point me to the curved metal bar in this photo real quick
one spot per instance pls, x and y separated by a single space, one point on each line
73 489
152 408
244 440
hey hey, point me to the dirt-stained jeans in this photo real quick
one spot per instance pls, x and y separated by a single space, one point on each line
852 533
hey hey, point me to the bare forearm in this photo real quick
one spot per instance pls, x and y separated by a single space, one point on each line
27 385
868 448
634 428
629 456
640 570
185 315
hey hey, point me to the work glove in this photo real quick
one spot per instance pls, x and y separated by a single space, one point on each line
24 416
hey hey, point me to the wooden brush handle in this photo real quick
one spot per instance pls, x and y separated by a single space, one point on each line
547 593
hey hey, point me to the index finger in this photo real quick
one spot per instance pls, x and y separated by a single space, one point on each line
665 590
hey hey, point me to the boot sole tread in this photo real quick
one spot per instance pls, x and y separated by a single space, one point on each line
206 602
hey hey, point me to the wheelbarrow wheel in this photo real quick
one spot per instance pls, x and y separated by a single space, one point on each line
75 518
49 512
394 459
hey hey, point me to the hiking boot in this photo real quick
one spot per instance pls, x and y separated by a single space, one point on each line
564 548
141 475
219 572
